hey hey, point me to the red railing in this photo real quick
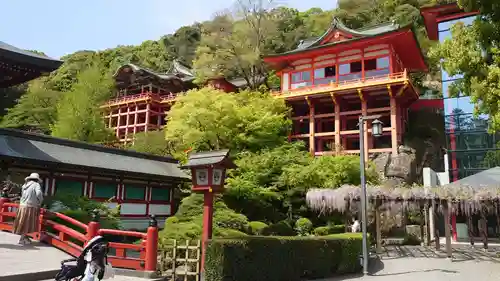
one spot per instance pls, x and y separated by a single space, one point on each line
144 96
72 238
342 85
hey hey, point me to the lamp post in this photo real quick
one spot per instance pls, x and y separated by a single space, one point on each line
208 172
376 132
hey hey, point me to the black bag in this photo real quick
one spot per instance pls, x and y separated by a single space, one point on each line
68 272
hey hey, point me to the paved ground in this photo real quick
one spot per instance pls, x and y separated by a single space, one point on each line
17 259
412 263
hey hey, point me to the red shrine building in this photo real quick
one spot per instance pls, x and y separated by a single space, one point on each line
331 80
144 97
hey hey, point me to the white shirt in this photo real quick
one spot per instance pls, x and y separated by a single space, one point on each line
355 226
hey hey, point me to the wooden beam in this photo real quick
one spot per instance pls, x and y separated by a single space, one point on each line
334 99
360 95
389 89
401 91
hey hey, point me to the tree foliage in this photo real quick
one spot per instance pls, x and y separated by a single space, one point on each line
209 119
152 142
35 109
79 116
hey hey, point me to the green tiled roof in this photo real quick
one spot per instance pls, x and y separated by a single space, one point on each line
338 25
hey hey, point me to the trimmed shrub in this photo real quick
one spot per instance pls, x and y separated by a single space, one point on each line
282 258
256 227
303 226
331 229
321 231
339 228
228 233
282 228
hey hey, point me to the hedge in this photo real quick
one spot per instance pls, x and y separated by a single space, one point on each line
282 258
325 230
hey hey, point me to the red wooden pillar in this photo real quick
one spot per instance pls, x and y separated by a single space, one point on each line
151 245
93 227
3 200
208 211
38 236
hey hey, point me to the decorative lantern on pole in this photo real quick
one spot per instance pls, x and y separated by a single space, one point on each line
208 171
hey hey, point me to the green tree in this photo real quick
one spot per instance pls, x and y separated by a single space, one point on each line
152 142
473 53
35 109
79 116
209 119
254 187
234 43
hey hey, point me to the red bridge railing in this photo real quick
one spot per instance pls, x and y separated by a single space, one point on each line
72 238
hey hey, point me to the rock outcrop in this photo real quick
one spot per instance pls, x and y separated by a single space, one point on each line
397 169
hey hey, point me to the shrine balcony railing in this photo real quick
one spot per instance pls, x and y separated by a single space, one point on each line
143 97
70 236
399 77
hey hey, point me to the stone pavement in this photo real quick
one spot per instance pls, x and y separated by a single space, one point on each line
16 260
412 263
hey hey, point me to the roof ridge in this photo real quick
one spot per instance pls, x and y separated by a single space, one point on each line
84 145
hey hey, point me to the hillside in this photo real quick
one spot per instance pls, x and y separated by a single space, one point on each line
232 44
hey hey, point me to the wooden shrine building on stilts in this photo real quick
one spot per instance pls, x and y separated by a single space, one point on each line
331 80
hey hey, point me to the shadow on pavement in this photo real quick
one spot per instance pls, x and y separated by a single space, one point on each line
19 247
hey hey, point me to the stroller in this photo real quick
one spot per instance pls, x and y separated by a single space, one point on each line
91 263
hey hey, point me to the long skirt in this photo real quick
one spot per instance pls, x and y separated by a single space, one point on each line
27 220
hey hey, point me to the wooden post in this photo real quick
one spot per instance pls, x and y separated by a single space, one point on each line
311 127
422 223
4 199
469 228
208 213
118 121
484 227
337 125
347 215
427 224
148 114
93 227
447 230
394 122
136 118
436 228
152 246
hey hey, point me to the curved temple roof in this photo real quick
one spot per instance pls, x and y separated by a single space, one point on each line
18 66
177 71
339 37
338 25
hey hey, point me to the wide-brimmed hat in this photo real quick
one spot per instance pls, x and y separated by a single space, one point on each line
34 176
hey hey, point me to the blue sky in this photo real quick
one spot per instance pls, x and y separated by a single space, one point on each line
60 27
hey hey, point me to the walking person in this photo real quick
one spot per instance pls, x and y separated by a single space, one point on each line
27 217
